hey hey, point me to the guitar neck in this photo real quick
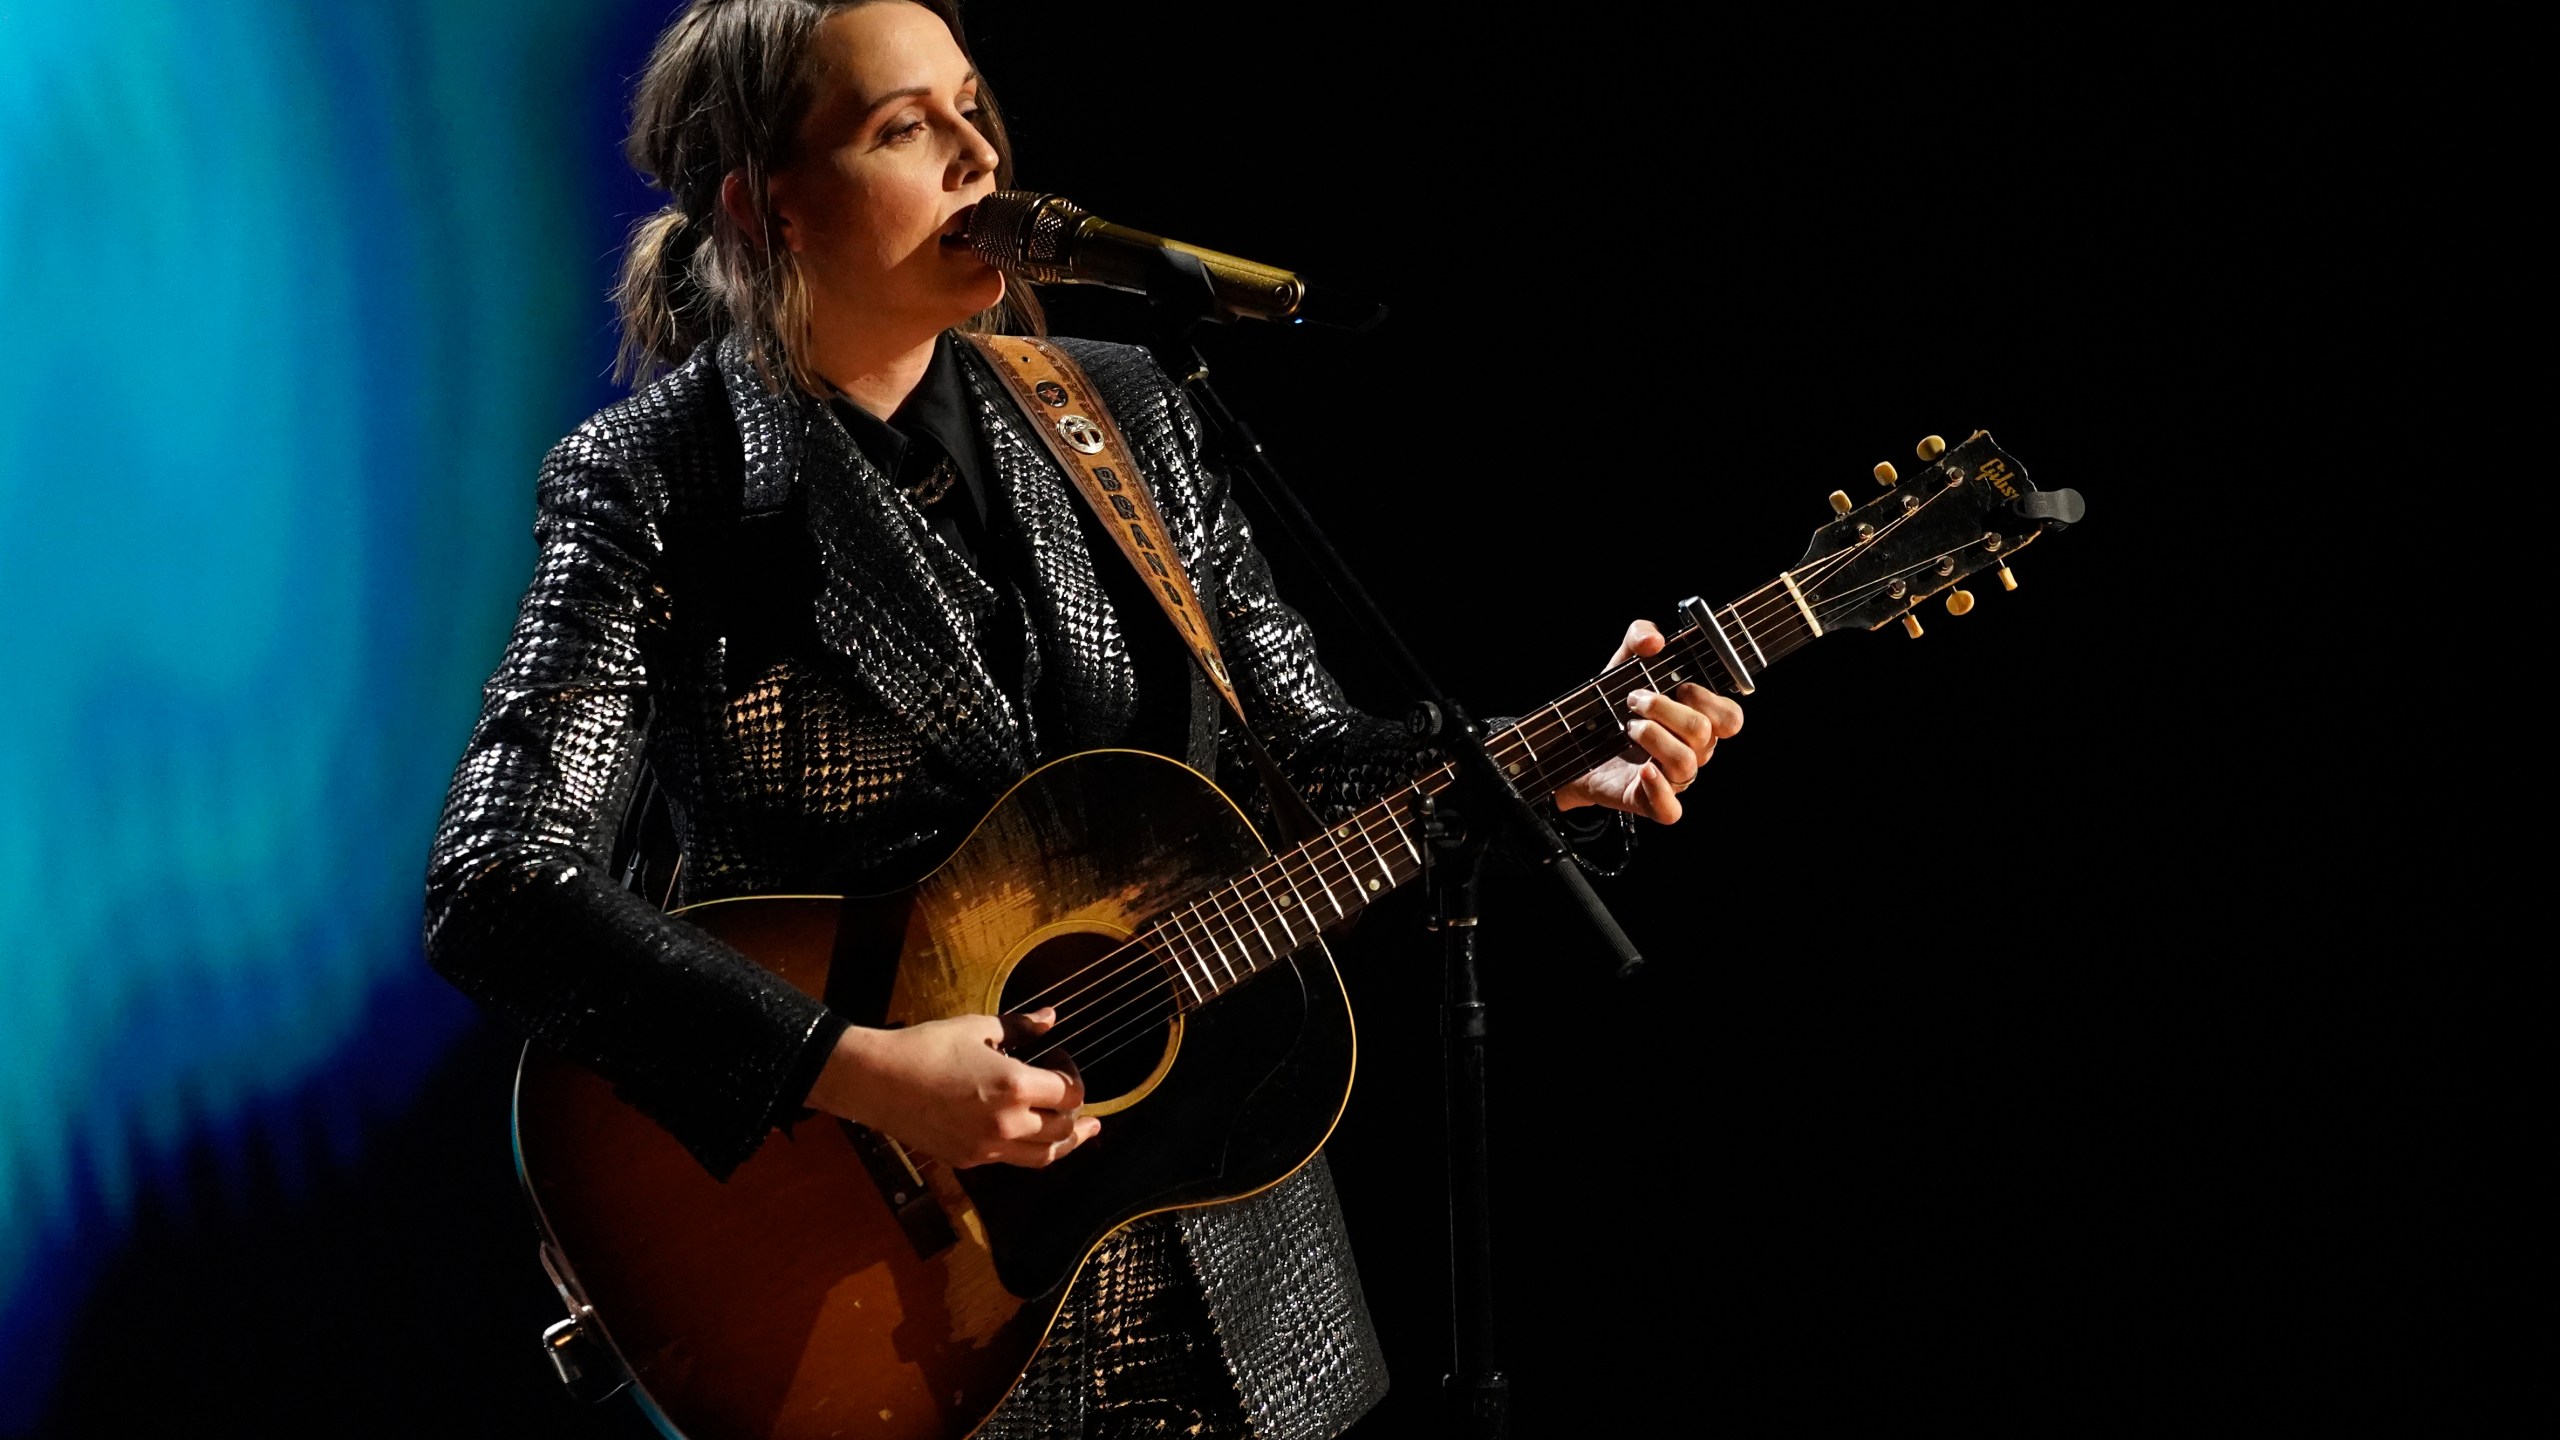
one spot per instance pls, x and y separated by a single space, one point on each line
1234 932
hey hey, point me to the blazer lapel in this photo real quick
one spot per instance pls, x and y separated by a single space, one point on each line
882 601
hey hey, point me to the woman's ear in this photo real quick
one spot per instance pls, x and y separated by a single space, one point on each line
747 216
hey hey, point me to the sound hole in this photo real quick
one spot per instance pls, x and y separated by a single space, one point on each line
1117 1012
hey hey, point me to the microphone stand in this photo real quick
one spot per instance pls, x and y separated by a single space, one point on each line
1476 1394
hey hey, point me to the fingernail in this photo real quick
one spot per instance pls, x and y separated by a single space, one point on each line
1638 699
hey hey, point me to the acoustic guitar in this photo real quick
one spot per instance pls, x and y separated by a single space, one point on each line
841 1285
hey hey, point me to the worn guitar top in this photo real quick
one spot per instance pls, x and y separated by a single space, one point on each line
725 580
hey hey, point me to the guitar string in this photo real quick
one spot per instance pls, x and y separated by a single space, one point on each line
1144 981
1146 972
1138 973
1130 980
1132 1028
1120 970
1829 606
1111 972
1113 975
1366 821
1136 1010
1126 1028
1141 996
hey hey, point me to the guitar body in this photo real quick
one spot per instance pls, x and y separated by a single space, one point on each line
829 1290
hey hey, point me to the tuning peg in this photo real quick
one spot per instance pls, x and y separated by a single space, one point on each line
1911 623
1840 501
1959 602
1884 472
1931 447
2007 580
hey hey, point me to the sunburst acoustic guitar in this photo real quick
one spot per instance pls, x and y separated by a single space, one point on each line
841 1285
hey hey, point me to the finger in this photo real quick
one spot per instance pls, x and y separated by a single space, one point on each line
1723 715
1670 756
1042 1088
1054 1128
1692 726
1661 799
1027 1025
1643 638
1065 1068
1037 1155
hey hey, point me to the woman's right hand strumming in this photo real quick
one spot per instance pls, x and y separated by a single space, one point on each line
944 1087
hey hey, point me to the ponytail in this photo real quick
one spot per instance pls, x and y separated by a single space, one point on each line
665 310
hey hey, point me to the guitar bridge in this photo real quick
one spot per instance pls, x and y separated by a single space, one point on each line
921 1217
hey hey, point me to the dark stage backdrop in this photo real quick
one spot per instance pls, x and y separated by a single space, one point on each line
2056 1021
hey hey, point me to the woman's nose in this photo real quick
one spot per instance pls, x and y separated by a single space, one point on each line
977 154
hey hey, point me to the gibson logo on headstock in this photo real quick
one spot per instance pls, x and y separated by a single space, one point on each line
1996 470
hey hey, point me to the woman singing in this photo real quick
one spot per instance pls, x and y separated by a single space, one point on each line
940 614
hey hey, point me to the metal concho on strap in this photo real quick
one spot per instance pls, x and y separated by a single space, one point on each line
1062 405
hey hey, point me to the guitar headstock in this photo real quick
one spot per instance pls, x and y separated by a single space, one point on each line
1957 513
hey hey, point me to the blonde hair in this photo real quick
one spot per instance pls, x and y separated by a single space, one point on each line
725 90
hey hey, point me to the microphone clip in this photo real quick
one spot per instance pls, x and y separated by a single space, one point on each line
1181 292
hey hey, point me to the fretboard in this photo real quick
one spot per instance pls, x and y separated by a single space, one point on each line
1234 932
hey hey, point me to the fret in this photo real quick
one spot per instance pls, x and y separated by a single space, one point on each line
1318 868
1734 613
1188 983
1231 931
1390 809
1383 870
1168 933
1349 870
1313 926
1279 912
1247 906
1192 939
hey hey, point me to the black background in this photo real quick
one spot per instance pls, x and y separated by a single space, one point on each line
2076 1016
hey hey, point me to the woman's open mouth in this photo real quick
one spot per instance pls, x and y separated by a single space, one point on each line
955 236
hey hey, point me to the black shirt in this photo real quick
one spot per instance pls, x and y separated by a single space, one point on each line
931 428
933 425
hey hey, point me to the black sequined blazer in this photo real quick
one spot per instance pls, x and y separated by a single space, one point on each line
726 584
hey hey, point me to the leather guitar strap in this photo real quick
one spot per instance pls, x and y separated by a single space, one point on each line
1067 413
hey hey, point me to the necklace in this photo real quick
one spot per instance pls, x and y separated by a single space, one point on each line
936 483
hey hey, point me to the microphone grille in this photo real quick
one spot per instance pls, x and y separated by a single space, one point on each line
1025 232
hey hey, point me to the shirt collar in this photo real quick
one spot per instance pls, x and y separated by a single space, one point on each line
931 423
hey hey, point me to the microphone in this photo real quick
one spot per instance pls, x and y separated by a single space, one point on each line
1050 240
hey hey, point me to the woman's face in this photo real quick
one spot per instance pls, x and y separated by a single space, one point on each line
888 163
